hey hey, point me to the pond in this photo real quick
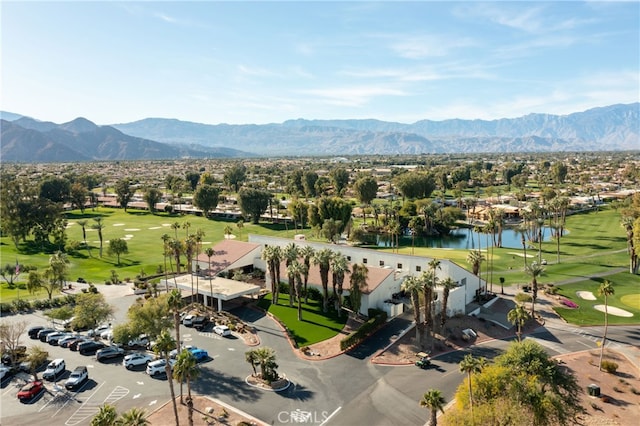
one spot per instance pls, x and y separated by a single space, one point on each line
464 239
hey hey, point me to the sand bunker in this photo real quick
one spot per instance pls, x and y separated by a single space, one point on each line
132 229
118 224
166 224
613 311
586 295
155 227
128 236
521 254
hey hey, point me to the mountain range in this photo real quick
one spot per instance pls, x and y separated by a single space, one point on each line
611 128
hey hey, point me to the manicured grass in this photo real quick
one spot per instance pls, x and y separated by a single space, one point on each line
626 286
315 325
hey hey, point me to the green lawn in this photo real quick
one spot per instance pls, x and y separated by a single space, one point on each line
624 284
315 325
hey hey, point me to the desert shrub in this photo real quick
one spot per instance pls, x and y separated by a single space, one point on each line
314 293
617 389
635 391
609 366
522 298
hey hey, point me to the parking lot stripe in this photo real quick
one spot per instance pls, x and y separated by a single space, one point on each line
88 410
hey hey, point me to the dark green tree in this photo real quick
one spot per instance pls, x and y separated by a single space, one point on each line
253 203
235 176
124 192
206 198
117 247
340 179
152 196
55 189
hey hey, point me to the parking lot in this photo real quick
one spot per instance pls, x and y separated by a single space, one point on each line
109 382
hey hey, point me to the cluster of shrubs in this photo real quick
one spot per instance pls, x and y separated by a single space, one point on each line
609 366
312 293
376 319
22 306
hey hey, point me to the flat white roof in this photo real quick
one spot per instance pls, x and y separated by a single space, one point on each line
220 288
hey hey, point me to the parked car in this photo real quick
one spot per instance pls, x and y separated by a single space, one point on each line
33 331
74 345
65 341
30 390
158 367
200 322
4 372
107 334
200 354
141 341
222 330
136 359
187 321
53 338
55 367
77 378
174 353
98 330
109 352
42 334
16 355
90 347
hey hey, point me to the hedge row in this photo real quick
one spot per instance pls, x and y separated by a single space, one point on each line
364 331
23 306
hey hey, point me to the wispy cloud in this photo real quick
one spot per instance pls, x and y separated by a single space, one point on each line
352 96
424 46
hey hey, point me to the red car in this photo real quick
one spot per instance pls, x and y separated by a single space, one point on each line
30 390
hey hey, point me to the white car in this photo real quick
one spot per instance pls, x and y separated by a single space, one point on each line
158 366
107 334
97 331
55 367
135 359
222 330
142 340
188 320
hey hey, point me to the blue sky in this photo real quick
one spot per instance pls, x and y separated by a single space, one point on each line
266 62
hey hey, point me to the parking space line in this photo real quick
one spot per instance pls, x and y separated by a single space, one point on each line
88 410
75 394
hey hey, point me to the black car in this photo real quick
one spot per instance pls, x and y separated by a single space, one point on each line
90 348
74 345
33 331
16 355
42 334
200 322
109 352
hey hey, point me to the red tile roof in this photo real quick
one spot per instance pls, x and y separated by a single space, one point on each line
227 252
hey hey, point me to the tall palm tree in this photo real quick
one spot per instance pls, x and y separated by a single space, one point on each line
175 226
634 259
475 258
358 282
518 316
106 416
294 271
306 253
266 359
471 365
99 226
290 253
228 230
434 265
322 258
434 401
134 417
164 345
177 248
413 286
189 246
272 255
165 251
174 300
83 224
605 290
447 284
209 251
339 266
186 225
187 369
252 358
534 270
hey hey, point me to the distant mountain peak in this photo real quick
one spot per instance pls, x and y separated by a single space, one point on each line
79 125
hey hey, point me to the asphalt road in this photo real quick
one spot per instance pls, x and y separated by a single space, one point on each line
346 390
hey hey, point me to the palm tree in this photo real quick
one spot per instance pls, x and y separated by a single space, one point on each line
175 226
134 417
358 282
447 284
228 230
106 416
475 258
98 226
534 270
83 224
189 246
434 265
434 401
186 225
339 266
240 225
518 316
187 369
606 289
209 251
167 252
294 270
627 223
164 345
413 286
174 300
290 254
266 358
306 253
177 248
322 258
272 255
471 365
251 358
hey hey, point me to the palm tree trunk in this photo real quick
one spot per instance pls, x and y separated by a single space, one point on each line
173 394
604 336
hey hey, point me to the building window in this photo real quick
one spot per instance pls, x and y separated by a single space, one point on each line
364 260
418 268
399 266
382 263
